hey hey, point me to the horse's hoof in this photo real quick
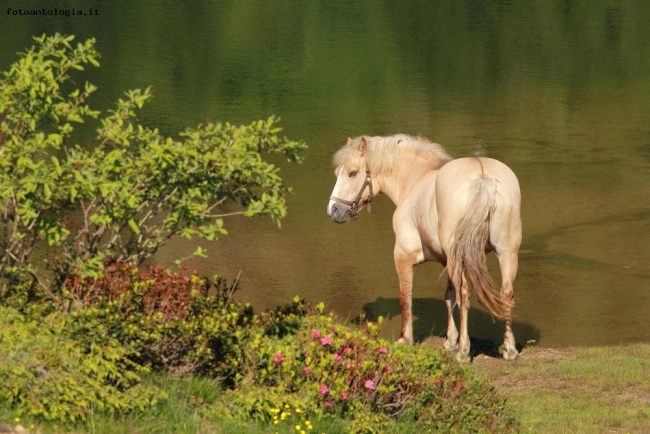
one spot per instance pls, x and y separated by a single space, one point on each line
463 357
450 345
404 341
510 354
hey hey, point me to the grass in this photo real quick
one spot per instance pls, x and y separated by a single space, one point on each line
182 413
576 390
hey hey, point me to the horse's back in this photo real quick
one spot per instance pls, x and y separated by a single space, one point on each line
453 185
463 169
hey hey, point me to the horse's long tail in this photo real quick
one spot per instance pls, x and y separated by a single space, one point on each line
467 256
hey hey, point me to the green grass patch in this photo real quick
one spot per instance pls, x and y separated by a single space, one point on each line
576 390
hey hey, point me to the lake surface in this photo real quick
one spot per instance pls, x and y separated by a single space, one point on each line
559 91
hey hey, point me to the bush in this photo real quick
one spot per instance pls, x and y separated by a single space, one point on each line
125 195
45 374
165 319
326 368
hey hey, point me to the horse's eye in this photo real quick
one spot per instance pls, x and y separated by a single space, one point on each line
353 173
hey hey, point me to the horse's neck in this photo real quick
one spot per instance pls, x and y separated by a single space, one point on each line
398 184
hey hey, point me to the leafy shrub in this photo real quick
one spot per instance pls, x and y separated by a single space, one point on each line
131 190
165 319
45 374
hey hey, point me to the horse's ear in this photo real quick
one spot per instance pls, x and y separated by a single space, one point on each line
349 140
362 146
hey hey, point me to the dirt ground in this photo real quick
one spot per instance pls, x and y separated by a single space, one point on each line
537 368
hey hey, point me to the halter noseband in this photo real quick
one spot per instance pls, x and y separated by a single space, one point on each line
354 204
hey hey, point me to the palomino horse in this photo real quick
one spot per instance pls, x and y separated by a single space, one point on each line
451 211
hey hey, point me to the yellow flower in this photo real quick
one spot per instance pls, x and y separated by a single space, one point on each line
287 406
17 419
275 422
298 410
298 427
274 410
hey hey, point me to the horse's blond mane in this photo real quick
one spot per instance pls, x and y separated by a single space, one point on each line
382 153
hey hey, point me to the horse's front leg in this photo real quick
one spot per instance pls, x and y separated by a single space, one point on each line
404 267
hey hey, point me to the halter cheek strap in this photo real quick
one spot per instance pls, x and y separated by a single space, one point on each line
354 204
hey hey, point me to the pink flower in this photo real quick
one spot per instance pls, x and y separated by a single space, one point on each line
323 389
383 350
369 384
346 349
278 358
337 357
305 370
326 341
389 369
349 365
315 334
327 404
344 395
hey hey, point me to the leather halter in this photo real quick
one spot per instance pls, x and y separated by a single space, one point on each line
354 204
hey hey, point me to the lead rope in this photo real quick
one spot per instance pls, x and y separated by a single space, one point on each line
371 196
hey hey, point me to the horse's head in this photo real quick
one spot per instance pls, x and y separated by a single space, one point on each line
353 188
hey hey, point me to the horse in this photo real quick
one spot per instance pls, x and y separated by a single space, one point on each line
451 211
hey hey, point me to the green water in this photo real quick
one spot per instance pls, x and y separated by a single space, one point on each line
558 90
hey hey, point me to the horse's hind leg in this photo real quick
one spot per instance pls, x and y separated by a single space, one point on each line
508 262
452 333
461 295
463 340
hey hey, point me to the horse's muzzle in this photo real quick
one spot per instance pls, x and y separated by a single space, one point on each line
339 213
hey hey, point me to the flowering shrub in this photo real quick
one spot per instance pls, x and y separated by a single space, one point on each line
331 369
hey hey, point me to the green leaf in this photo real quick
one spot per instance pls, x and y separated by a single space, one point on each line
57 166
47 191
200 252
134 227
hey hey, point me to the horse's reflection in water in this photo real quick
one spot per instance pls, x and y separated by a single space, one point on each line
450 211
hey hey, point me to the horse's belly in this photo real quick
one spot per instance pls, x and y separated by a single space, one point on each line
427 223
434 253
